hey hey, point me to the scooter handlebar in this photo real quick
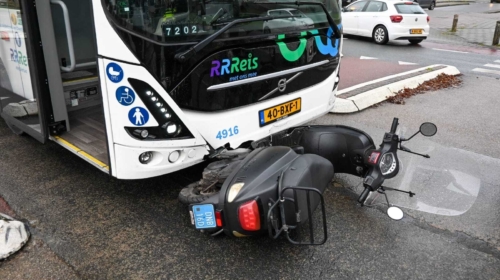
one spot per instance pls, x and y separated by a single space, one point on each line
364 195
394 125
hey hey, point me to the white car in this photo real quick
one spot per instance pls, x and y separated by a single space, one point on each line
297 18
386 20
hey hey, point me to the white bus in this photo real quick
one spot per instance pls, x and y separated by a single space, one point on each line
142 88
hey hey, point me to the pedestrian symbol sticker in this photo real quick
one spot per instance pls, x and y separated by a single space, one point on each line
138 116
125 95
114 72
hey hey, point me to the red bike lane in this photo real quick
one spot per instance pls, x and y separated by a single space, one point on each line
354 70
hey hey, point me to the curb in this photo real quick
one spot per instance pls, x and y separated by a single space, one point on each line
376 95
451 4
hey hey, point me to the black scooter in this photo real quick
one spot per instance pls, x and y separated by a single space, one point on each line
277 187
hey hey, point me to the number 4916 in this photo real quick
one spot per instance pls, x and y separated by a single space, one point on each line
225 133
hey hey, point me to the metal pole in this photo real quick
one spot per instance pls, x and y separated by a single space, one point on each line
455 22
496 35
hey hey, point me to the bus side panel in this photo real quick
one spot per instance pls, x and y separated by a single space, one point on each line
109 44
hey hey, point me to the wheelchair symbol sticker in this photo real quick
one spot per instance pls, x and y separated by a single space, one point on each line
125 95
138 116
114 72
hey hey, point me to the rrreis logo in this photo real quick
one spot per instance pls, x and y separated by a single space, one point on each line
234 65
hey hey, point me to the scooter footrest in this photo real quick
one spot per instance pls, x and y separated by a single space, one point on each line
304 201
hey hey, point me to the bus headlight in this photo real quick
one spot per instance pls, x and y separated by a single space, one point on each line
170 125
172 128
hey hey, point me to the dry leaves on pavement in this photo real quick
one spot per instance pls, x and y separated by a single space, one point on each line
440 82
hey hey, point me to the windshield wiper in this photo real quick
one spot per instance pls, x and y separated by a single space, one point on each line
332 23
181 57
220 13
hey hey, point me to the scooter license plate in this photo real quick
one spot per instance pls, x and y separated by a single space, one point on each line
279 112
203 216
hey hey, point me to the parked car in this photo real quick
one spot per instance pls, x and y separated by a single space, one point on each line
297 18
429 4
385 20
347 2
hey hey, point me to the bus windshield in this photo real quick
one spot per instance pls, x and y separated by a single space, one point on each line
192 20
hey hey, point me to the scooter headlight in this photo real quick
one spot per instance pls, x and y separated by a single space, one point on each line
233 191
387 163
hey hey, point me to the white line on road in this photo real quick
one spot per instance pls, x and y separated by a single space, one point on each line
486 71
497 61
448 50
2 98
406 63
367 57
492 65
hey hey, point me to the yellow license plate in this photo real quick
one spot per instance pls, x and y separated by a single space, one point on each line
416 31
279 112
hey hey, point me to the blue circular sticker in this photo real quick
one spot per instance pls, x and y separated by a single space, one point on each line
114 72
17 38
125 95
138 116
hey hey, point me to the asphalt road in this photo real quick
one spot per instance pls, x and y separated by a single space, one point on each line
466 59
86 225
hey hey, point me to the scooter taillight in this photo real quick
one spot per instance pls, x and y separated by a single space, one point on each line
249 216
218 218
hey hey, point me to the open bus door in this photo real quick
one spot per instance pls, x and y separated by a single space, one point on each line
49 80
20 85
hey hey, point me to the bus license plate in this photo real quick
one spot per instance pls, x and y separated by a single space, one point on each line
203 216
279 112
416 31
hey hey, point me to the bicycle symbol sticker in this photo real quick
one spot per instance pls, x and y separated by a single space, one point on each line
125 95
114 72
138 116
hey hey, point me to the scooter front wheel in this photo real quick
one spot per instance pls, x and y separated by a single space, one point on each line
194 194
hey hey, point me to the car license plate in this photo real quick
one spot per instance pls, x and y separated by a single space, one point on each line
203 216
416 31
279 112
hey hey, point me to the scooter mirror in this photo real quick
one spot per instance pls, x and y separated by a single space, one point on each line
428 129
395 213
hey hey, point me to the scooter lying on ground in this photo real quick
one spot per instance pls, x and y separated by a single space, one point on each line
276 187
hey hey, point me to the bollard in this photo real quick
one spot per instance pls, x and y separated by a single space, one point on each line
455 22
496 35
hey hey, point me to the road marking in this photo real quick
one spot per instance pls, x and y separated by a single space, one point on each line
492 65
486 71
2 98
497 61
448 50
367 57
406 63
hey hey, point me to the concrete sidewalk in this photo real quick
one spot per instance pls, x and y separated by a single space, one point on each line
476 23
